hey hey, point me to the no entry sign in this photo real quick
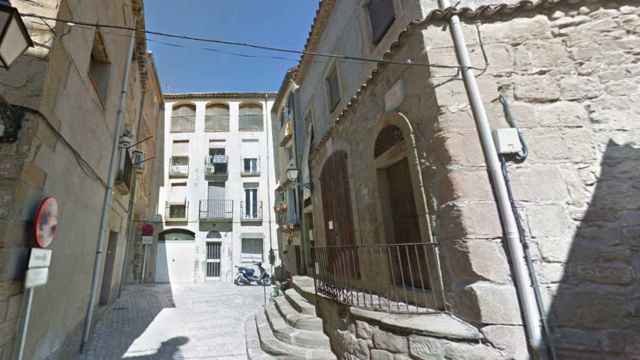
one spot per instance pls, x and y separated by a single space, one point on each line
46 222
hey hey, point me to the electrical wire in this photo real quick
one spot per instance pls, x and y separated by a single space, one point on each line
247 44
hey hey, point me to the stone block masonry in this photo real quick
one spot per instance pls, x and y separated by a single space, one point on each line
571 76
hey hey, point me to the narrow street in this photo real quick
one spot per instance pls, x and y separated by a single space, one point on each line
200 321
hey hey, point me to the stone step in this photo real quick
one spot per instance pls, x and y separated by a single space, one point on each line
281 350
299 302
290 335
252 341
296 319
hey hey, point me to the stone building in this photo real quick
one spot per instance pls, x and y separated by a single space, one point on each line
216 202
292 197
409 254
68 88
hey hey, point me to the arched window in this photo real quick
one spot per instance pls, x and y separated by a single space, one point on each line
399 212
216 118
183 118
176 234
251 117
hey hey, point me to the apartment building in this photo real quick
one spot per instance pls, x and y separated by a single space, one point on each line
218 186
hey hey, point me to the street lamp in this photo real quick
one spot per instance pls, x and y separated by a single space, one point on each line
292 174
14 38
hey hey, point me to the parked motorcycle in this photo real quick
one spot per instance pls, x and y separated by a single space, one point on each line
248 276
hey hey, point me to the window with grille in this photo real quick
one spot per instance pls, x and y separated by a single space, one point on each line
333 88
252 246
250 118
216 118
381 16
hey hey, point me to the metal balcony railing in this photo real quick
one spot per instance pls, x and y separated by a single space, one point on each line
177 211
216 210
392 277
179 166
251 213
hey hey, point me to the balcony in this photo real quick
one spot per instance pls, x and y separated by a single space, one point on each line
287 133
215 167
253 213
179 167
177 211
216 210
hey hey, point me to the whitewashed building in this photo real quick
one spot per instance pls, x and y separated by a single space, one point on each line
216 205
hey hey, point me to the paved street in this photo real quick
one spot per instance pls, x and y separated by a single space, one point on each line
206 322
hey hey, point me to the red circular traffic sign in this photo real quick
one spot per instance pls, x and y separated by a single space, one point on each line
46 221
147 230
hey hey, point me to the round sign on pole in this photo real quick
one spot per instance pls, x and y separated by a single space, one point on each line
147 230
46 222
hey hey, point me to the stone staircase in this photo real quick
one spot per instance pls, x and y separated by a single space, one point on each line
288 328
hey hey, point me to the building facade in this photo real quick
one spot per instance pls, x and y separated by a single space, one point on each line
65 91
404 212
218 186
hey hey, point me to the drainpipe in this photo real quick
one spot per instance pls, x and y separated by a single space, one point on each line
268 118
108 194
522 278
132 199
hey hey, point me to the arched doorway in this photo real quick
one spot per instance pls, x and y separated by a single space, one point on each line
175 256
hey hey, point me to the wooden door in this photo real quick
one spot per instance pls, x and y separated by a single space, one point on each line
338 217
408 261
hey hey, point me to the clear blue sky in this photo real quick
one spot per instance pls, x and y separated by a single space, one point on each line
279 23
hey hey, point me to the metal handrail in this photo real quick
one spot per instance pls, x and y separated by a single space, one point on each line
216 209
382 277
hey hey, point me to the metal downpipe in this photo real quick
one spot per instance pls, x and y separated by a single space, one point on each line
522 278
108 194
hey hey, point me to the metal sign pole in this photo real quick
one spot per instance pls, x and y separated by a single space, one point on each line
24 325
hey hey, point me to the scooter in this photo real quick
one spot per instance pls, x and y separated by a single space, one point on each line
248 276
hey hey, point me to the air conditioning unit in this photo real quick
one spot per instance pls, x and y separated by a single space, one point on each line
138 160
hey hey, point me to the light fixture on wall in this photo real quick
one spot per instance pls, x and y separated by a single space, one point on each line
14 38
292 174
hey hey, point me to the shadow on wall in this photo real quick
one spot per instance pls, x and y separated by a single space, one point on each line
595 313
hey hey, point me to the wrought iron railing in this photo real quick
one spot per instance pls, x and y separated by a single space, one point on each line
216 209
391 277
216 166
251 212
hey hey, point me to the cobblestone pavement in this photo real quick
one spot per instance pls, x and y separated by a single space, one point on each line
186 321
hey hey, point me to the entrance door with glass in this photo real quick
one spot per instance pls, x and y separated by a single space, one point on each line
214 250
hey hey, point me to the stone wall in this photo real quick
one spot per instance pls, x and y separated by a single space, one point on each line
62 151
570 74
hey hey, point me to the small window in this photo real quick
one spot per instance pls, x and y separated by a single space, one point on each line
252 246
100 68
177 211
333 88
381 15
250 166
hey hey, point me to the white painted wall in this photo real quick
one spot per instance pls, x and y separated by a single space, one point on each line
260 145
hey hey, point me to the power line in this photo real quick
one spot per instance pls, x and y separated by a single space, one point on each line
247 44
